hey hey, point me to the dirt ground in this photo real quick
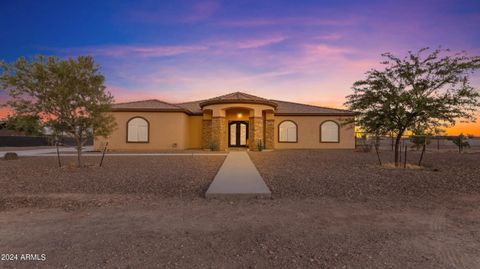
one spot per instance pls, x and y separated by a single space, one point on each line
330 209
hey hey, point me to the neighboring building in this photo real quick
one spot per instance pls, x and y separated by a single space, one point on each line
232 120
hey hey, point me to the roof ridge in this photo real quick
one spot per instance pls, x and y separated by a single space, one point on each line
236 94
146 100
189 102
138 101
339 109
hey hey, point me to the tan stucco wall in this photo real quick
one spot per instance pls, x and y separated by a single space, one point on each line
309 133
219 110
237 114
165 129
194 134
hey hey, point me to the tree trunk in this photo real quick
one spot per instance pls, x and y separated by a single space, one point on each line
103 154
421 156
397 146
400 147
58 155
79 156
391 142
79 151
378 155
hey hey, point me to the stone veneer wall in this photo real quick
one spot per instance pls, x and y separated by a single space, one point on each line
219 132
255 132
269 134
206 134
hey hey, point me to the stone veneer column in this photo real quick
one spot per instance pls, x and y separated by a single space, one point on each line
269 134
219 132
255 132
206 133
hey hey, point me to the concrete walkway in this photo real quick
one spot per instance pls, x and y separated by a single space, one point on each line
238 178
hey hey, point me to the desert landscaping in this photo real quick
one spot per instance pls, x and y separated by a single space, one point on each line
329 209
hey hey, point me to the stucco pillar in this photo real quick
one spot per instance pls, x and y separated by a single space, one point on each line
219 132
255 132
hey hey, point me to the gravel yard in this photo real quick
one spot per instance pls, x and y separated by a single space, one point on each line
37 181
357 176
330 209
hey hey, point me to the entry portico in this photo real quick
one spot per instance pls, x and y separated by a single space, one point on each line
237 120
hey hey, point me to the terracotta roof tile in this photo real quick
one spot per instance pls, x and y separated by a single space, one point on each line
284 107
237 97
194 107
152 104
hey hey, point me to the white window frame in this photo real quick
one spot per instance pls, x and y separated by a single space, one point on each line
284 137
136 130
333 138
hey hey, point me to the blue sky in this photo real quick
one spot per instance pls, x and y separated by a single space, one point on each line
305 51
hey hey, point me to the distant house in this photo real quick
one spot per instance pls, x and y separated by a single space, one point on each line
233 120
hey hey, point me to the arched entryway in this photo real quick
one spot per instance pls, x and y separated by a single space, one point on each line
238 120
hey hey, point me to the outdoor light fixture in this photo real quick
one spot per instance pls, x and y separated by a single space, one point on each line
239 115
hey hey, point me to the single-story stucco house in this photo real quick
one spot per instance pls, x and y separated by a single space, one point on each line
233 120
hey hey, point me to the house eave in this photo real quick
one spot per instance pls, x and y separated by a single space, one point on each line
239 101
151 110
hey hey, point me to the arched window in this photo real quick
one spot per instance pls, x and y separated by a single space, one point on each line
137 130
287 132
329 132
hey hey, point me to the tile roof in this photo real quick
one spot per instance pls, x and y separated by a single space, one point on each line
146 105
195 107
284 107
235 98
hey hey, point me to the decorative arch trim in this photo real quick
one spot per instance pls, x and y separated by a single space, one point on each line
280 140
130 139
337 135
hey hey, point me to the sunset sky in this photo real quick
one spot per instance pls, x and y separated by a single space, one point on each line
301 51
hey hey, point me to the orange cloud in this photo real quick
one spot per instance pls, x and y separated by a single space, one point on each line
4 112
471 128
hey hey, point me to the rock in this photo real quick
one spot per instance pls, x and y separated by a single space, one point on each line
10 156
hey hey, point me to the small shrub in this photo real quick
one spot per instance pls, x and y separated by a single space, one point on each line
260 145
10 156
419 141
213 147
460 141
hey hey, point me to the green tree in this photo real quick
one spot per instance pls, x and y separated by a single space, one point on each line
27 124
68 95
433 90
460 141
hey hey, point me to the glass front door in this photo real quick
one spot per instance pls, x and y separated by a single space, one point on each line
237 134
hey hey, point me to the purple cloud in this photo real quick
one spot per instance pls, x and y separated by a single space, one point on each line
201 10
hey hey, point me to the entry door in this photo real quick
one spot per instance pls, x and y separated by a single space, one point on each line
238 134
